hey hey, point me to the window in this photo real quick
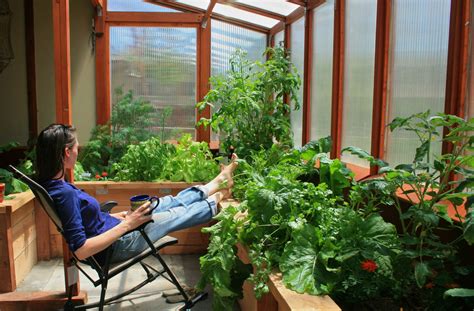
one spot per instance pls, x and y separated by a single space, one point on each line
158 65
321 84
297 58
279 38
359 60
419 53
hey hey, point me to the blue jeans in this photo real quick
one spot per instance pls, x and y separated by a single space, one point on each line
189 208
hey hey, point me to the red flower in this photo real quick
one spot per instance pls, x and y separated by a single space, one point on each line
104 174
369 265
429 285
97 176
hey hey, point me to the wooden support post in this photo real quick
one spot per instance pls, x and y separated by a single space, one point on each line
7 268
382 42
337 78
308 66
203 75
62 65
458 61
43 234
31 69
101 74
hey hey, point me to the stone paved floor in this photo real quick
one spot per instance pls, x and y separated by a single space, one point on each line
49 276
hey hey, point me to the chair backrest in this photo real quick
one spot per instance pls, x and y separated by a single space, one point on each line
42 195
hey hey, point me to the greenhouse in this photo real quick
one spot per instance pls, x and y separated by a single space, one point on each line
237 155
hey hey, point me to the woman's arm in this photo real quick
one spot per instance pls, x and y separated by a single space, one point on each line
102 241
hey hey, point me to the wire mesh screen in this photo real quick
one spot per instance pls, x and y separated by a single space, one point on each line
359 64
225 40
321 84
159 66
297 58
419 53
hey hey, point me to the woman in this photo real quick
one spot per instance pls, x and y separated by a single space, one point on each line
89 231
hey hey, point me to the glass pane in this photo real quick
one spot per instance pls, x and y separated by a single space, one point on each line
232 12
135 6
297 58
278 6
245 16
225 39
158 65
359 77
321 82
419 51
280 38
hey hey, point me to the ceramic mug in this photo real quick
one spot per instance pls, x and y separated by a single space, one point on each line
138 200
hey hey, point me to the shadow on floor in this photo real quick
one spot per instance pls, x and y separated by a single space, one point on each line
49 276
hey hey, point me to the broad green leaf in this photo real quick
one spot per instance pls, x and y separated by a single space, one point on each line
421 273
459 292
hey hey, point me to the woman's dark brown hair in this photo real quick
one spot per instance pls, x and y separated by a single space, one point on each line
50 150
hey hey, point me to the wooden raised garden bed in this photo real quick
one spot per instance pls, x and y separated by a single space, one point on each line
18 249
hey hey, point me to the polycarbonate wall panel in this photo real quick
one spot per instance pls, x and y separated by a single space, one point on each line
135 6
158 65
419 53
297 58
321 82
280 38
359 62
225 40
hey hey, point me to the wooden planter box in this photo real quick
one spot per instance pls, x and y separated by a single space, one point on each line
18 249
280 298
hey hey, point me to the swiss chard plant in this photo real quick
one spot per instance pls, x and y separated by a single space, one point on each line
249 108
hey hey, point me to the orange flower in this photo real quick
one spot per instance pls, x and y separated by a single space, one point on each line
97 176
369 265
104 174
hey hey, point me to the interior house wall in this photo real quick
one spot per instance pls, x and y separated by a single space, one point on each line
13 87
13 91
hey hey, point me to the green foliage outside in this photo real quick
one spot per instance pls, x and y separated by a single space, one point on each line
305 215
250 110
130 124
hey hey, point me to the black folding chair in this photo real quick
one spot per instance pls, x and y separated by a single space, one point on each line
101 262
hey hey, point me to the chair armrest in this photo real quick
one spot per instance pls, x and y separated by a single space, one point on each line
107 206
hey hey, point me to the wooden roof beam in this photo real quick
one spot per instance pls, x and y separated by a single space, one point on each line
230 20
298 2
295 15
252 9
208 13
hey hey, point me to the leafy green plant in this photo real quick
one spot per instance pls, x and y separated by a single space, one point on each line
13 185
251 112
144 161
191 161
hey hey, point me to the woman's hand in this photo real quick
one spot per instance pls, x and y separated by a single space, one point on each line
138 217
120 216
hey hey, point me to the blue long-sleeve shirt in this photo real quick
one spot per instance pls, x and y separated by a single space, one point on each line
79 212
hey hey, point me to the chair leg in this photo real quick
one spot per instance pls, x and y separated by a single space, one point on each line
103 290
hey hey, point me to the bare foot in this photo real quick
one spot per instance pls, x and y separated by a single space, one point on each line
224 180
225 177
